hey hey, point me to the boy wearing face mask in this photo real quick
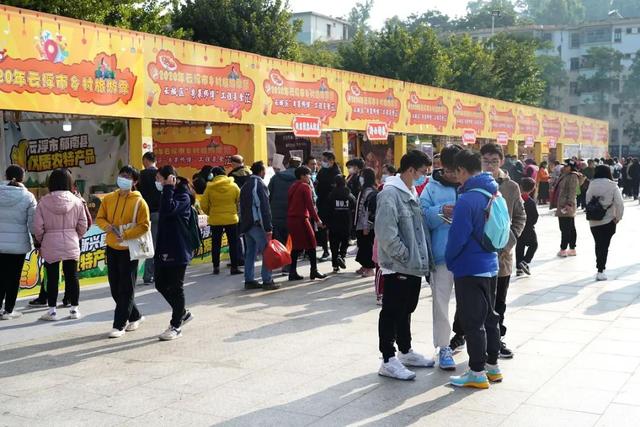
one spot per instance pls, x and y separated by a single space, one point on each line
117 210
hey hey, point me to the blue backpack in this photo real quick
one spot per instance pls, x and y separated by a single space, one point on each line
497 223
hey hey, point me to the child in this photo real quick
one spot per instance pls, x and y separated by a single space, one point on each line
341 204
528 240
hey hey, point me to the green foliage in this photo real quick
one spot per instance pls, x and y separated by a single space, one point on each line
471 67
607 67
359 16
320 54
554 74
554 12
431 18
630 98
258 26
479 14
356 54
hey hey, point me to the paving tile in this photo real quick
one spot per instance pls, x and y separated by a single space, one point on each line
590 378
605 362
135 401
167 417
462 417
620 416
541 347
535 416
629 394
571 398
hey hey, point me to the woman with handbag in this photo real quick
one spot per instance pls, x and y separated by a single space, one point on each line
124 216
59 224
564 200
173 253
608 214
365 213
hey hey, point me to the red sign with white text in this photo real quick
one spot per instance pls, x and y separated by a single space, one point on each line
310 127
571 130
377 131
529 141
210 151
587 132
602 135
552 143
368 105
295 97
551 127
431 112
502 138
502 121
528 125
225 88
469 136
469 117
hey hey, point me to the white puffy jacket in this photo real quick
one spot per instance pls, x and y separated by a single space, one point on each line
610 198
17 208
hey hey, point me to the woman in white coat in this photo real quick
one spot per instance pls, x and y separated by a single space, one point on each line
608 194
18 206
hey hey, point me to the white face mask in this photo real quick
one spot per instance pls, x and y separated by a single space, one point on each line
352 170
361 180
159 186
124 183
325 164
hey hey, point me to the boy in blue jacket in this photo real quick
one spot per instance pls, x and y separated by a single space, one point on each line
475 271
438 201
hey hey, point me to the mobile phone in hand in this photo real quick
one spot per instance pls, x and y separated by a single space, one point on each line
445 218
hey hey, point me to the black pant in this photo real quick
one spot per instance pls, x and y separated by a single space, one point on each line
635 187
170 283
525 250
499 289
281 233
475 307
602 235
11 268
71 283
122 274
400 299
568 231
581 200
339 245
231 231
365 249
295 254
322 239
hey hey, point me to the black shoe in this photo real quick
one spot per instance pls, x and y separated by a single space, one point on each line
216 270
325 256
457 343
519 273
317 275
254 284
186 318
38 302
336 269
341 263
270 286
64 304
525 268
505 353
236 271
295 276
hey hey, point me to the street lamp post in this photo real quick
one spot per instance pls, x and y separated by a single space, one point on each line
494 14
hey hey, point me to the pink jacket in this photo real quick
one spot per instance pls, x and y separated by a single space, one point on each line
59 224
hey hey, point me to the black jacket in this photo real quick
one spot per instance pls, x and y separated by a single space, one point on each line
254 188
529 232
171 243
240 175
147 187
325 182
279 195
341 206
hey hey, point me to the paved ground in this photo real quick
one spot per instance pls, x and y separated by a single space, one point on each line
307 354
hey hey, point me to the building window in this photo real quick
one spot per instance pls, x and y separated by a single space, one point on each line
575 64
627 56
617 35
629 30
328 31
598 35
547 37
615 110
573 109
615 85
614 136
573 88
575 40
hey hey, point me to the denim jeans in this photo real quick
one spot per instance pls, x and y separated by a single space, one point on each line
256 240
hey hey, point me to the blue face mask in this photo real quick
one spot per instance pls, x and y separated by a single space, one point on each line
313 177
159 186
124 183
419 181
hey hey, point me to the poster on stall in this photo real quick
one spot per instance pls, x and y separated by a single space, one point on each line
377 154
94 150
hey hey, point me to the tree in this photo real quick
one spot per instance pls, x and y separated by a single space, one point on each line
359 16
554 12
604 82
320 54
471 67
630 104
596 10
259 26
479 14
356 54
152 16
627 8
431 18
517 71
555 77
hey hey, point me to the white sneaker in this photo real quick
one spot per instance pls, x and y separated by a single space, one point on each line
75 314
116 333
10 316
170 334
50 317
415 359
394 369
134 325
601 277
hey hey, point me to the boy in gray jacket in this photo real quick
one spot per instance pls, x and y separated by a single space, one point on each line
403 257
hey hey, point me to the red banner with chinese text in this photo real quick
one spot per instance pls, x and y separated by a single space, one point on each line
502 121
370 105
431 112
469 117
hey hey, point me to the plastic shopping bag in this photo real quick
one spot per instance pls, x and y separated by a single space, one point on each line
275 255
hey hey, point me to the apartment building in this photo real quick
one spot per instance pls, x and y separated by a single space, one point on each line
316 26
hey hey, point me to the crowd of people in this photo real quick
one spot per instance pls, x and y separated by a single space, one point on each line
428 219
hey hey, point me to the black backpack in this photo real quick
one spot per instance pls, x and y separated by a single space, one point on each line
594 210
371 204
191 231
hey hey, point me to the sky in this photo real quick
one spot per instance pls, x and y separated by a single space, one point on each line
382 9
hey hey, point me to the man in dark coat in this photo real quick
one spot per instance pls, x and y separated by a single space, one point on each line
325 182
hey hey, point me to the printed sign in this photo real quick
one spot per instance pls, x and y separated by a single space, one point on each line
195 154
502 138
297 97
370 105
432 112
571 130
307 127
552 142
225 88
551 127
469 117
377 131
469 136
528 125
529 141
502 121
